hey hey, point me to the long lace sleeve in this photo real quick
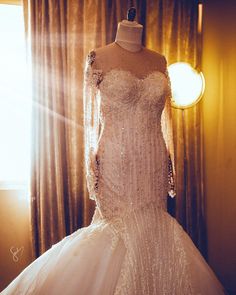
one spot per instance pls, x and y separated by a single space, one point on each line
167 129
92 78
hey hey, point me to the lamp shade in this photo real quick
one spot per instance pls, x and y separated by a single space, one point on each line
187 84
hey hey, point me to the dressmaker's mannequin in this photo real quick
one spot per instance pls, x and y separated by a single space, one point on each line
129 35
127 52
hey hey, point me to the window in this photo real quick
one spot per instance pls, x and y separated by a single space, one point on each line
15 99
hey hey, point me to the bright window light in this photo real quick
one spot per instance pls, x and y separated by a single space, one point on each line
15 98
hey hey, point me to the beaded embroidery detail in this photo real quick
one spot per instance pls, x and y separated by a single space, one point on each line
128 161
122 101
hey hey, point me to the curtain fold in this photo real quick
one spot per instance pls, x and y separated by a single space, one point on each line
61 33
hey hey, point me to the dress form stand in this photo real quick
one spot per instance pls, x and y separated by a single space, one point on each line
129 33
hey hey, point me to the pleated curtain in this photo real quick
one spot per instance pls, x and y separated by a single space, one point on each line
60 34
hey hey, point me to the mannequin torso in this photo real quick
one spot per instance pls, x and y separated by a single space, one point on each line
127 53
139 63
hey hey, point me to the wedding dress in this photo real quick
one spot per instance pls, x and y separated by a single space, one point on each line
132 246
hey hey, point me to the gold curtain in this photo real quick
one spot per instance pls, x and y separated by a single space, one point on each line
61 33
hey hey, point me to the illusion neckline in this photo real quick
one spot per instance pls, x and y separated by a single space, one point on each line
146 76
126 50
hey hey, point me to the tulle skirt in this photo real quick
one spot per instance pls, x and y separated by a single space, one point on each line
144 252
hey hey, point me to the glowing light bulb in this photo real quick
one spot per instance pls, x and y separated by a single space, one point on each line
187 84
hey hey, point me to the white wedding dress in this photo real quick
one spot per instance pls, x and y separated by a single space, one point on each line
132 246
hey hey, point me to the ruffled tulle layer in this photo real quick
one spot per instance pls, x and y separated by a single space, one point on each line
144 252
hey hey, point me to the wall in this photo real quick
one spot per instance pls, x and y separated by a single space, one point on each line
219 117
14 234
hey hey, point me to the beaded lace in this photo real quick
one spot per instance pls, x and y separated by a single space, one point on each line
97 110
129 161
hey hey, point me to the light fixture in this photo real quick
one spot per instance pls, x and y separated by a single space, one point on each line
187 85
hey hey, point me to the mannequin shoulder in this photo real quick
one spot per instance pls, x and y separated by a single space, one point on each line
104 55
97 57
155 55
155 58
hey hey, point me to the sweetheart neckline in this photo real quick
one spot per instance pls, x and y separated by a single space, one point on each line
132 74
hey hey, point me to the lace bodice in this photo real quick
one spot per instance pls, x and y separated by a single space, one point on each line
129 158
